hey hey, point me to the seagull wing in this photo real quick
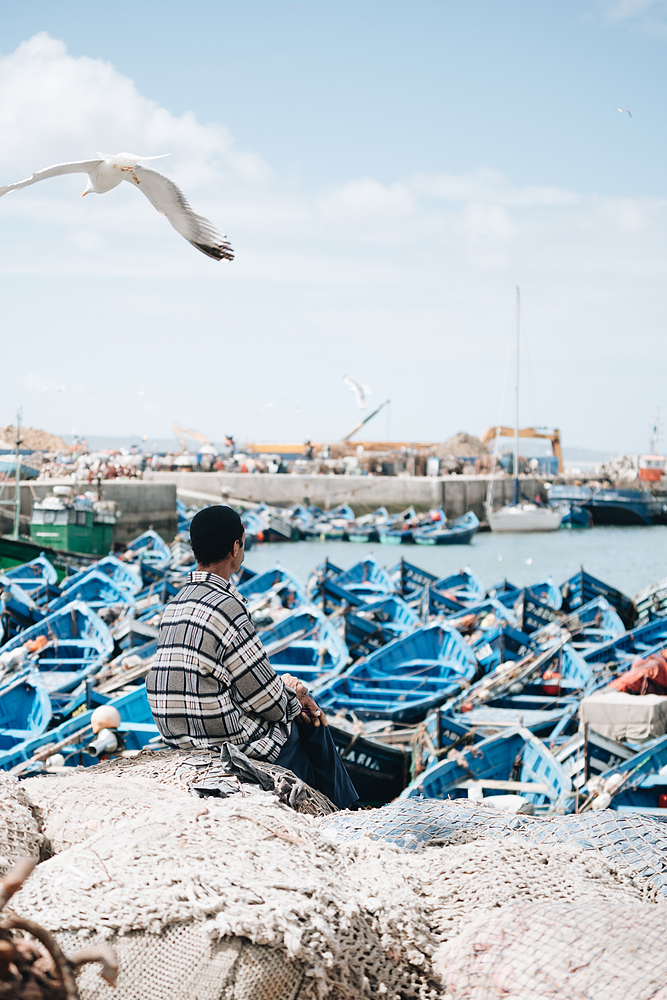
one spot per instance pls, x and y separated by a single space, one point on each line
78 167
169 200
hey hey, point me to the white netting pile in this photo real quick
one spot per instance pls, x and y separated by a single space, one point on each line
19 831
71 808
531 951
243 898
183 769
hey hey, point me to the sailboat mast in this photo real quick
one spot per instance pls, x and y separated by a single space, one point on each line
516 403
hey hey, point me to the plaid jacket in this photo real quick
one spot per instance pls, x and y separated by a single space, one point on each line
211 681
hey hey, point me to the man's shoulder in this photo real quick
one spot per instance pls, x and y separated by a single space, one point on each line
204 599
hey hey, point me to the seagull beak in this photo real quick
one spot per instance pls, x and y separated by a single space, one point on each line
84 193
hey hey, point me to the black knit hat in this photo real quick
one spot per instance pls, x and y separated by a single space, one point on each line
213 531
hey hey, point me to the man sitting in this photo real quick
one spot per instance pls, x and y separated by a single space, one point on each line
211 681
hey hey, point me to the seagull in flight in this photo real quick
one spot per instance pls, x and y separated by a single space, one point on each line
109 170
360 391
625 111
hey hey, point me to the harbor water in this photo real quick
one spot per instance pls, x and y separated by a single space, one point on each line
627 558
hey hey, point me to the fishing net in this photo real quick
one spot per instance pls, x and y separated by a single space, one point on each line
240 899
627 840
244 898
530 951
19 832
74 807
202 772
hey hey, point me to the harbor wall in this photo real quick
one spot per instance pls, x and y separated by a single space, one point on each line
456 494
144 504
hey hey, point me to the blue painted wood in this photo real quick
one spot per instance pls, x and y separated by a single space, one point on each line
514 755
18 610
582 588
320 651
281 581
137 727
408 578
458 532
378 622
367 579
151 549
404 680
122 575
25 709
97 590
78 643
640 641
33 577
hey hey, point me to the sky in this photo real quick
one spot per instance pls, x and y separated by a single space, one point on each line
387 173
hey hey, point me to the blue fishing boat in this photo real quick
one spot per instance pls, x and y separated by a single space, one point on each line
17 609
151 549
332 525
608 506
97 590
643 788
272 593
405 679
305 644
574 516
622 650
376 623
330 597
397 530
366 527
124 576
536 692
589 754
449 594
514 762
458 532
582 588
651 602
409 579
34 577
592 624
492 632
136 729
367 579
66 647
378 771
25 709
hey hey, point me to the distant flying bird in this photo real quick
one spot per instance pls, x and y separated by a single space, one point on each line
624 110
109 170
360 391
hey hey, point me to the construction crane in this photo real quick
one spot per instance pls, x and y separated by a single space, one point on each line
365 421
490 434
183 432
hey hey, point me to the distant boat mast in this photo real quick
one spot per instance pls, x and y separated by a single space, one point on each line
516 402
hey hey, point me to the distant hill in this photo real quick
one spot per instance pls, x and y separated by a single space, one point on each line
575 454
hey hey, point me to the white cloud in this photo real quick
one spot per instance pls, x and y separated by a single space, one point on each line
647 15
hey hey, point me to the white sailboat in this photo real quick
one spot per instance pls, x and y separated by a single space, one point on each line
520 516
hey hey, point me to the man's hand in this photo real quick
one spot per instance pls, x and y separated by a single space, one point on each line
309 709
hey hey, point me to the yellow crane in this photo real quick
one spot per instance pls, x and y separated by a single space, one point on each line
183 432
490 433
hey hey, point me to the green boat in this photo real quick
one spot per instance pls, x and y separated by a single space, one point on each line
76 526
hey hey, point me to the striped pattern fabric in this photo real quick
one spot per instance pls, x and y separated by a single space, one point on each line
211 681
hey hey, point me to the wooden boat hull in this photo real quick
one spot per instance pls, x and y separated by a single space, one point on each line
378 771
515 761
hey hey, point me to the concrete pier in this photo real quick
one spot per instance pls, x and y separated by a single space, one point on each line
455 494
